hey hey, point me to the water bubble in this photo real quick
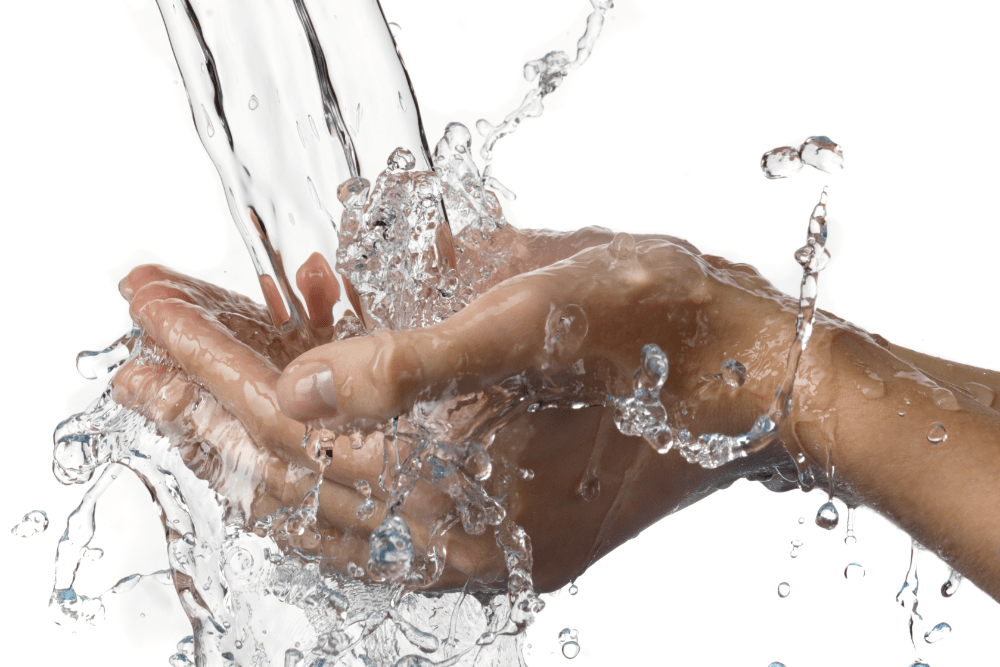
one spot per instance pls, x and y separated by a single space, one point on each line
781 162
573 589
733 373
937 434
854 571
366 509
937 633
590 487
390 550
795 548
784 589
33 523
827 516
823 154
802 519
253 102
401 160
777 664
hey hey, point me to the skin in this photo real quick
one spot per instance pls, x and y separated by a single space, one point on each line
621 293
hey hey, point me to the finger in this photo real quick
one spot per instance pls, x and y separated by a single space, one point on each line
506 331
196 291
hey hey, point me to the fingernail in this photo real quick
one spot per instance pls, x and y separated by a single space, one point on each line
307 391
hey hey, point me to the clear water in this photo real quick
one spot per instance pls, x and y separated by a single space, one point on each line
33 523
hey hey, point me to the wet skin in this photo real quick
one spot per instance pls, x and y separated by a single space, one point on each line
257 389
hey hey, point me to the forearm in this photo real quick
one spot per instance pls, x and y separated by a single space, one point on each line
877 413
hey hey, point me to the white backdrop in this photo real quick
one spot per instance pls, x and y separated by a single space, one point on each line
662 130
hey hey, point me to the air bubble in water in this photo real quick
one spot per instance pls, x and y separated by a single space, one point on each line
33 523
253 102
854 571
781 162
390 550
937 633
937 434
401 160
208 122
827 516
823 154
733 373
784 589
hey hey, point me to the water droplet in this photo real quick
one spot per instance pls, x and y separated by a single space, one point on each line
293 657
622 247
366 509
253 102
777 664
390 550
944 399
142 615
784 589
570 644
402 104
937 434
794 553
854 571
827 516
574 589
937 633
950 587
590 488
401 160
733 373
33 523
902 413
802 519
526 473
823 154
781 162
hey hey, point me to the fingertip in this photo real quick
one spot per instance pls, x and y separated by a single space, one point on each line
306 391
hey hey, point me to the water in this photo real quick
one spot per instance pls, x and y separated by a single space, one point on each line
818 152
851 538
950 587
937 434
569 643
907 596
827 516
643 415
794 553
33 523
937 633
854 571
784 589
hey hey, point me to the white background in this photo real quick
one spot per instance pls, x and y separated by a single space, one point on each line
662 130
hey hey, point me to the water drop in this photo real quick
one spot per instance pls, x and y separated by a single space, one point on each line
366 509
823 154
733 373
574 589
944 399
33 523
784 589
777 664
622 247
590 487
854 571
950 587
142 615
253 102
794 553
827 516
781 162
401 160
802 519
293 657
937 633
937 434
390 550
526 473
570 650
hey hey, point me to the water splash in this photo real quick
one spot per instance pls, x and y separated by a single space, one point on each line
94 365
550 70
937 633
33 523
907 596
818 152
643 415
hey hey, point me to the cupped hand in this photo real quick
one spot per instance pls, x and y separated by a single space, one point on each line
573 482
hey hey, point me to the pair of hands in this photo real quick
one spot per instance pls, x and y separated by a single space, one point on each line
575 307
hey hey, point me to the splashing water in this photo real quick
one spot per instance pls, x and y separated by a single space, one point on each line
907 596
33 523
643 415
818 152
550 70
937 633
